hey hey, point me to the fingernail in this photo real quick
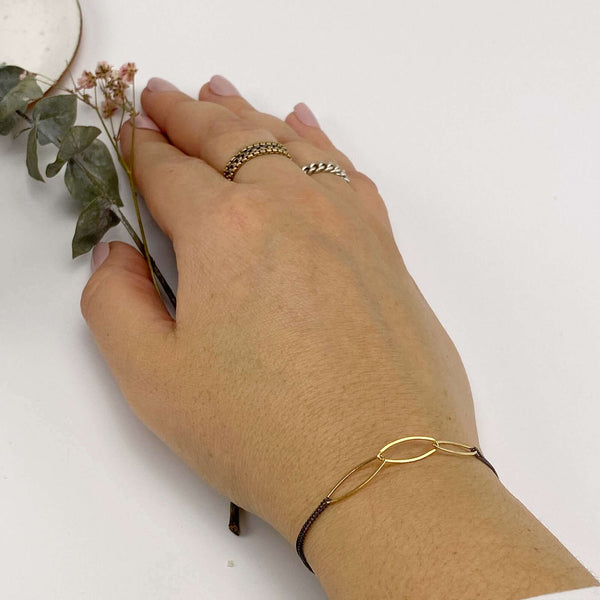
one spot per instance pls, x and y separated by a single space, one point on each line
156 84
144 122
305 115
222 87
99 254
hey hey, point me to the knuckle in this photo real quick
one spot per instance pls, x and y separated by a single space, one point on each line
319 209
217 128
232 137
363 180
376 203
181 111
164 170
313 198
145 167
244 209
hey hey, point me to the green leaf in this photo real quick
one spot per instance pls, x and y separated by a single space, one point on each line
54 168
9 77
75 141
18 133
19 97
9 98
32 156
91 174
54 116
7 124
94 221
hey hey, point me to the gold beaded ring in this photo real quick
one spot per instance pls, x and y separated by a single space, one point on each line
250 152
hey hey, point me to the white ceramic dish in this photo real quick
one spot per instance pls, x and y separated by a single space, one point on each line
40 35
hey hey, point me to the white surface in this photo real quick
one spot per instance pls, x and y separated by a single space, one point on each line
39 35
591 593
479 121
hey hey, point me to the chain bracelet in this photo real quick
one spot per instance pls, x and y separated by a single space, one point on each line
329 499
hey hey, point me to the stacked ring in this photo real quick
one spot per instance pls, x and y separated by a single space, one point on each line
250 152
265 148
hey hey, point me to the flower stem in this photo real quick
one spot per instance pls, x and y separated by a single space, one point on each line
140 244
129 170
134 191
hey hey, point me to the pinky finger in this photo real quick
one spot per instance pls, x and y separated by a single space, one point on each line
304 123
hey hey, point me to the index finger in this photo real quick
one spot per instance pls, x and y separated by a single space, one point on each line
173 184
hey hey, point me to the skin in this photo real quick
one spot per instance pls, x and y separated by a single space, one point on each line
301 346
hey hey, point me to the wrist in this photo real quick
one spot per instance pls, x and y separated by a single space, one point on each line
441 527
403 500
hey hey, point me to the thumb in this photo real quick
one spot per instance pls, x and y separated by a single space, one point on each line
126 316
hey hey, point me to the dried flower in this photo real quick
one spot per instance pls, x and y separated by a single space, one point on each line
87 81
127 72
108 107
23 75
103 69
115 89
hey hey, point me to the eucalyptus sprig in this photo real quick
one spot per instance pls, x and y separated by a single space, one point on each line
90 174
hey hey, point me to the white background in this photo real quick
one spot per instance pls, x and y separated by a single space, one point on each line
480 123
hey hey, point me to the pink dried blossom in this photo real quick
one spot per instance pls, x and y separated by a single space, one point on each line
108 108
87 81
103 69
127 72
116 85
23 75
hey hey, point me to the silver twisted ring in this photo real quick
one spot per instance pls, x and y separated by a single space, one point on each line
322 167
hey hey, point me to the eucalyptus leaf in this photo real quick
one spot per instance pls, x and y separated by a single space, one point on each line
76 140
54 116
54 168
6 125
32 155
94 221
19 97
91 174
10 78
19 133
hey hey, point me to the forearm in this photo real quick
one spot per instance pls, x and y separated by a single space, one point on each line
444 527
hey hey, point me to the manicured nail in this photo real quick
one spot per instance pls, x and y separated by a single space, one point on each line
156 84
222 87
99 254
144 122
305 115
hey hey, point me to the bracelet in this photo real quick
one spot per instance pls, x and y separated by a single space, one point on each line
472 451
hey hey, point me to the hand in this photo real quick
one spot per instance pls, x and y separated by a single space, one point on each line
301 343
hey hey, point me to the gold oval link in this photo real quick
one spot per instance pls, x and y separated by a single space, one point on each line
353 491
437 445
406 460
